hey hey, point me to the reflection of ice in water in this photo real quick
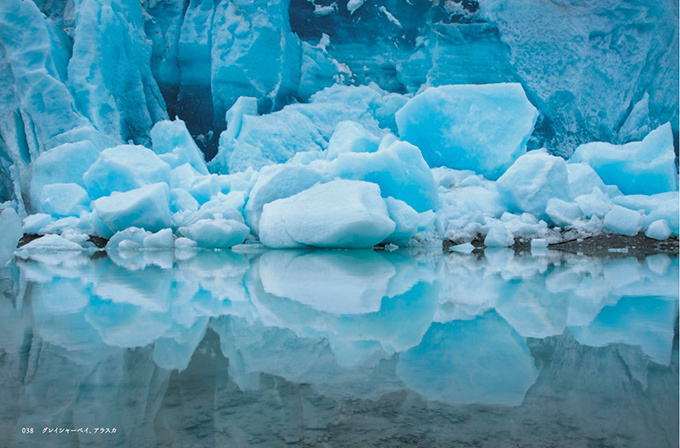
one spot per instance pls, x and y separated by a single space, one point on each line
480 361
455 321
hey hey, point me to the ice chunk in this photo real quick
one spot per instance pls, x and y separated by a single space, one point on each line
163 239
645 167
532 180
174 145
181 200
351 137
340 213
397 167
594 204
623 221
64 199
50 243
10 223
227 206
125 168
147 207
216 233
64 164
278 182
353 5
470 200
658 230
259 140
183 243
483 128
408 221
35 223
562 213
123 238
668 211
498 236
583 178
255 141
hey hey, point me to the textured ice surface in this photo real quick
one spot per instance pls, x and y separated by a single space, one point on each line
50 167
468 127
592 67
532 180
174 145
124 168
216 233
258 140
645 167
146 207
340 213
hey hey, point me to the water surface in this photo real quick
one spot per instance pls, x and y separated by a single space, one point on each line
339 349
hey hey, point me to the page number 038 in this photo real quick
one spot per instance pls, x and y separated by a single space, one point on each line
27 430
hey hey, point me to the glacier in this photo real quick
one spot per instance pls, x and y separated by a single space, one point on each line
407 123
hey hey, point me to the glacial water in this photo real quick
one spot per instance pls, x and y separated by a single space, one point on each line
339 349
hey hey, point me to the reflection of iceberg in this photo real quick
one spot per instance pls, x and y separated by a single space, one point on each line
355 311
481 361
647 322
455 329
340 282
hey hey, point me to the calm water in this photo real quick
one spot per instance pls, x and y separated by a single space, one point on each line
339 349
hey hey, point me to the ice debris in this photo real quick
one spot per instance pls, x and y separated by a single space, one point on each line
332 173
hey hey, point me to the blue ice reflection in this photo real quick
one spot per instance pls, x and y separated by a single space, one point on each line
453 328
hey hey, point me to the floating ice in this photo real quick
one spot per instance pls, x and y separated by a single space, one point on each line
467 127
